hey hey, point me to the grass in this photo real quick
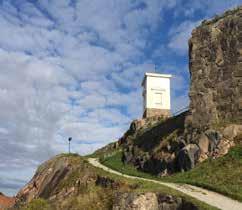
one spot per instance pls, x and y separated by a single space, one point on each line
37 204
223 175
114 162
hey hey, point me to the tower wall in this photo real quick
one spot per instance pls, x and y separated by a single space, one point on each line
149 112
156 95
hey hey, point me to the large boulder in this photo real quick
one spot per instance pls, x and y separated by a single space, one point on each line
203 143
136 125
187 157
150 201
214 139
232 131
133 201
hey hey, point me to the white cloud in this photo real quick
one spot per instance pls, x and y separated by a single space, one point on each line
180 35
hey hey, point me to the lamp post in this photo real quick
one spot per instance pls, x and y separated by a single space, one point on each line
69 140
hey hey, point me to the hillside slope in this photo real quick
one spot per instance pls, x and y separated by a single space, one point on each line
6 202
70 182
223 174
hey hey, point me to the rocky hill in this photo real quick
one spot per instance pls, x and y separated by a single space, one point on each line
69 182
214 118
6 202
215 59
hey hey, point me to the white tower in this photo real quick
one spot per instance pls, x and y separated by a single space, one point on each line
156 95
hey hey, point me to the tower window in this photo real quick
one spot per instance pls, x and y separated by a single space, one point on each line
158 98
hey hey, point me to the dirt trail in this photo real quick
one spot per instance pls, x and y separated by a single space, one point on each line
209 197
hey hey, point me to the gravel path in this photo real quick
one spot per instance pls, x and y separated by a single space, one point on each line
209 197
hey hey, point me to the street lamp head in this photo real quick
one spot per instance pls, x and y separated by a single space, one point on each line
70 138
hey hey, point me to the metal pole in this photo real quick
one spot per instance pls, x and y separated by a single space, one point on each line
69 139
69 147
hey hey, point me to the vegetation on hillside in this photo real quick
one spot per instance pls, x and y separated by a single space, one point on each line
37 204
88 192
114 162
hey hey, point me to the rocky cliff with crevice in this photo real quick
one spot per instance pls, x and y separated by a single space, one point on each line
214 118
215 60
215 64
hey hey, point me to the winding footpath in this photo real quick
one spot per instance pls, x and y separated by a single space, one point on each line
209 197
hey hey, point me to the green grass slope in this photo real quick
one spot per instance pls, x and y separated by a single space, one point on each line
223 175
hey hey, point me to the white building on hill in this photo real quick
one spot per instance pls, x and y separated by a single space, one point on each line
156 95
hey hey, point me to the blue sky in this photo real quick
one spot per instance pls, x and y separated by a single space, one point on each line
74 68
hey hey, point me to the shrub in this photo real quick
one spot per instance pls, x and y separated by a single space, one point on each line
38 204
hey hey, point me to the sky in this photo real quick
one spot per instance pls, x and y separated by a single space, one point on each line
74 68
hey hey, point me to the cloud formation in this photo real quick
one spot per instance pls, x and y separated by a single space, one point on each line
74 68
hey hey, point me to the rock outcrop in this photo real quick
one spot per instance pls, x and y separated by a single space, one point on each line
6 201
153 147
69 182
215 63
150 201
215 59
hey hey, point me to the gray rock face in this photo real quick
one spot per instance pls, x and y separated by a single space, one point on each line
187 157
214 138
215 52
150 201
150 146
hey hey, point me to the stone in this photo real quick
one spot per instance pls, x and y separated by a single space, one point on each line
151 112
133 201
150 201
187 157
155 166
202 157
203 143
214 138
223 147
105 182
136 125
231 131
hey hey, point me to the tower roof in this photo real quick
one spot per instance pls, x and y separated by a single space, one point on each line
147 74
